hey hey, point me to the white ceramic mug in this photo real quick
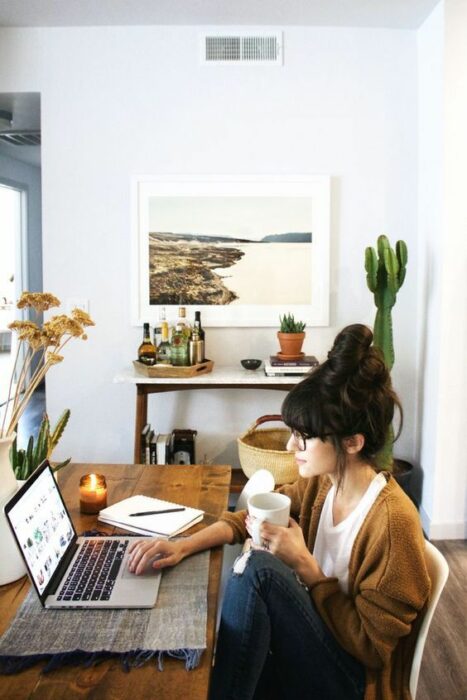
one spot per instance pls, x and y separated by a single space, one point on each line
272 507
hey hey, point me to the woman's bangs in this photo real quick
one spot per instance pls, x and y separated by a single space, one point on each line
301 411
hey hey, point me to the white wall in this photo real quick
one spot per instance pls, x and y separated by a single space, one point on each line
443 258
431 249
444 503
450 511
121 101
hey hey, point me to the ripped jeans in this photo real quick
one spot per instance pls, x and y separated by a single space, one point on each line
274 645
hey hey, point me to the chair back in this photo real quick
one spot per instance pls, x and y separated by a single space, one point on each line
438 571
262 481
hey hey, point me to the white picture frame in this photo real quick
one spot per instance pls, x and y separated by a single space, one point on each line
241 207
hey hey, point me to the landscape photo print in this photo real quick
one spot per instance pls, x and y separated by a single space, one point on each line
243 251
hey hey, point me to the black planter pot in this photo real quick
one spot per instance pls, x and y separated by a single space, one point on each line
406 476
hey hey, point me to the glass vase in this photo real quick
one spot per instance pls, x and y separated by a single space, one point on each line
11 562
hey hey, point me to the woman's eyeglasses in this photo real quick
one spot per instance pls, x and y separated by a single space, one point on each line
300 439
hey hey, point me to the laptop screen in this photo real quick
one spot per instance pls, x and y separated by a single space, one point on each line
42 527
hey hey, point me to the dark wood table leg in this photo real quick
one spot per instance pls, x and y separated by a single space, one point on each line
141 419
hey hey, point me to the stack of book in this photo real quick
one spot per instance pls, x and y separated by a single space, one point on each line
277 366
155 448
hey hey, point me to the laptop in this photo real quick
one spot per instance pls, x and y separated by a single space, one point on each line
70 571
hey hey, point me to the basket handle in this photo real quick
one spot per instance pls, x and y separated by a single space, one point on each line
260 420
266 419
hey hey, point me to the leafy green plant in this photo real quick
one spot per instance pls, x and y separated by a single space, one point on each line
25 462
385 275
290 325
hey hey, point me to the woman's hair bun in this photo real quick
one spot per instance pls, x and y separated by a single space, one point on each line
349 394
351 347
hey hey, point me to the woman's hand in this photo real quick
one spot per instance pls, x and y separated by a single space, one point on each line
288 544
154 554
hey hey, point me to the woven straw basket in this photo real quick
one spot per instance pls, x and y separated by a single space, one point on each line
266 449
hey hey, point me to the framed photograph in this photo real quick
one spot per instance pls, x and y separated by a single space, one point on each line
241 249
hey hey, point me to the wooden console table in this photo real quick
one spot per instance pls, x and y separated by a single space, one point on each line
219 378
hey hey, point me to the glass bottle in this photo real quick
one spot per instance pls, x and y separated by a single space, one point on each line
158 327
183 322
163 351
197 323
196 344
179 346
147 351
202 334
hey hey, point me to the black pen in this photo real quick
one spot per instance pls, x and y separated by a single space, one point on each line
156 512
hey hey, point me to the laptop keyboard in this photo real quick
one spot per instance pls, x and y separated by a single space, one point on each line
93 574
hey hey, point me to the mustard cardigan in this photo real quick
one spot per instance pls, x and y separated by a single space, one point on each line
377 621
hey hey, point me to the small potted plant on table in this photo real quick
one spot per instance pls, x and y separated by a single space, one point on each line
291 336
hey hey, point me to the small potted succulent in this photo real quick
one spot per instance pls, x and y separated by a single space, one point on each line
291 336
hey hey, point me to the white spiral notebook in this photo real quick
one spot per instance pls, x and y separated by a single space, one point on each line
151 516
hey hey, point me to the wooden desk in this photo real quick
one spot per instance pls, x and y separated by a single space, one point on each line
219 378
204 487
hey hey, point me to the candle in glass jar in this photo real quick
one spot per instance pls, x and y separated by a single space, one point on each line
92 493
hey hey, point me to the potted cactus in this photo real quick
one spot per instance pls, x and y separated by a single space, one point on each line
385 274
291 336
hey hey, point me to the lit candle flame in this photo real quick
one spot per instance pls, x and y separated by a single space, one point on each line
93 479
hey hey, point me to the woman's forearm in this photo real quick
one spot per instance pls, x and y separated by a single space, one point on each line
212 536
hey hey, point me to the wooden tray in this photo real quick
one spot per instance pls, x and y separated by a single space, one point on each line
171 371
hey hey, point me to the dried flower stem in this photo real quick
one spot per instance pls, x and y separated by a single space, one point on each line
9 391
18 412
36 379
23 374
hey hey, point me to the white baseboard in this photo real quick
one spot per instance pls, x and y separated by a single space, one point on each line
443 531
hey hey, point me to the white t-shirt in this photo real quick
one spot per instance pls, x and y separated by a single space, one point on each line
334 543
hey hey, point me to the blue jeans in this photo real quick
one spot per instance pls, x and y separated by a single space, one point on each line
273 643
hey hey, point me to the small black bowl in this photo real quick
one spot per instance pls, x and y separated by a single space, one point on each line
250 364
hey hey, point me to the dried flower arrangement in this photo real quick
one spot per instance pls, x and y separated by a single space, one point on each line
45 343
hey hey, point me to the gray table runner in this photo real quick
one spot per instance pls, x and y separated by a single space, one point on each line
176 626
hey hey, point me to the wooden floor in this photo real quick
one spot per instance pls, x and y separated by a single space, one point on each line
443 674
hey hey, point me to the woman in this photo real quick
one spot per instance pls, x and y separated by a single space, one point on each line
334 613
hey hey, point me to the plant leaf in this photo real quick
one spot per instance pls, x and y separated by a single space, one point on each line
62 464
40 451
58 430
371 267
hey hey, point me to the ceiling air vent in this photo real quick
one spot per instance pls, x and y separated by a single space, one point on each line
17 137
21 137
243 48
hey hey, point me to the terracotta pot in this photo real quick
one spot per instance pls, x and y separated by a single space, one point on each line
291 343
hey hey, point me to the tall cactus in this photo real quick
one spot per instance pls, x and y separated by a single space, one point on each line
385 274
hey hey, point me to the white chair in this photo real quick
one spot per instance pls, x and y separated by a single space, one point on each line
438 571
261 482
